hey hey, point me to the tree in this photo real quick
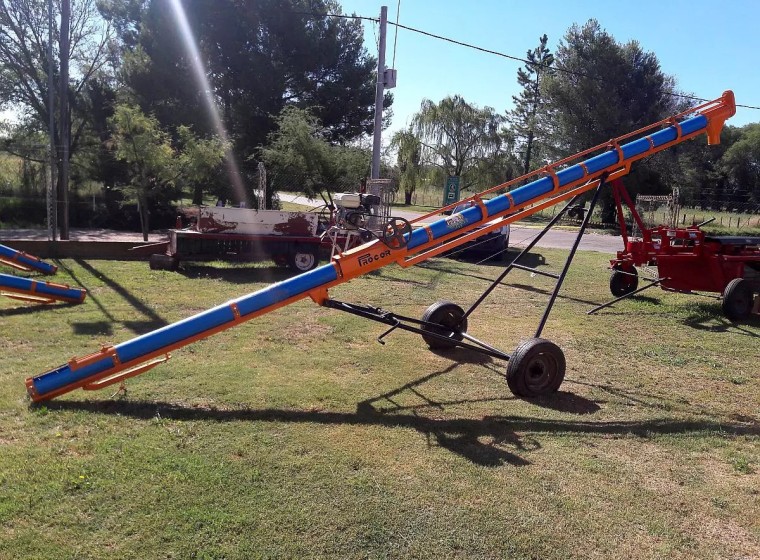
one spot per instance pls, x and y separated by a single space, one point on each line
456 135
601 89
527 116
79 52
259 57
409 161
154 165
147 150
298 153
741 164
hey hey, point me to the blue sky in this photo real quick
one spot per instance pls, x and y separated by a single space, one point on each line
708 46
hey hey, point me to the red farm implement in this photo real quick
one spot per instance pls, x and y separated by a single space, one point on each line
687 261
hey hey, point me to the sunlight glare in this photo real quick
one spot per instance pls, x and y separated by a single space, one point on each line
199 71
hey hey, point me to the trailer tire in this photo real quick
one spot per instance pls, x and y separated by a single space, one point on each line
623 281
738 299
452 320
303 259
163 262
537 367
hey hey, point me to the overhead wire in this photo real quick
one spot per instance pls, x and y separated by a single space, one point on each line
395 37
501 54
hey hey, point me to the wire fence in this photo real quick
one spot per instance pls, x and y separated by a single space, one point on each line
745 218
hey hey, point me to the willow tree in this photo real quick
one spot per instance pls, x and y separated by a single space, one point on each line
456 135
409 161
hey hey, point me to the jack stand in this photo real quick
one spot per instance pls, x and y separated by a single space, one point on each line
121 391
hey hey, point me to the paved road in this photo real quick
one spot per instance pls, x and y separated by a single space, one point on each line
519 236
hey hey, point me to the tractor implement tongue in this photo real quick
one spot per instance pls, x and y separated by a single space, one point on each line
536 366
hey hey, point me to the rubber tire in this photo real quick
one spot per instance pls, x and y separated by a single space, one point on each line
451 317
738 300
623 282
536 368
160 261
303 260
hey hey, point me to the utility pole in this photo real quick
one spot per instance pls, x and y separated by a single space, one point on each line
51 195
379 93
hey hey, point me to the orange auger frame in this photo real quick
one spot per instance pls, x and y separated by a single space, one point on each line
24 261
39 291
550 185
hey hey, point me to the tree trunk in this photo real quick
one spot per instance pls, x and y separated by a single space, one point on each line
528 150
408 197
142 210
65 120
198 195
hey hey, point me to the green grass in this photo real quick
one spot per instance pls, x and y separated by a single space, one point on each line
414 207
286 206
296 435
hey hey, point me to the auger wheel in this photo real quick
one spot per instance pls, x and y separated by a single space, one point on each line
536 368
449 321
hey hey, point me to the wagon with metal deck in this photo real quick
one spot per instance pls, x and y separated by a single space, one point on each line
288 238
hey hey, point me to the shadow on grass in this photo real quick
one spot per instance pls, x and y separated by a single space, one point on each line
32 307
386 276
462 436
459 356
153 321
563 401
533 260
709 317
237 275
534 289
93 328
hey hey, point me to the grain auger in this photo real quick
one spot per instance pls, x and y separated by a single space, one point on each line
536 367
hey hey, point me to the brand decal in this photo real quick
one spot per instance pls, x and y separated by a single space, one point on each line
368 258
455 221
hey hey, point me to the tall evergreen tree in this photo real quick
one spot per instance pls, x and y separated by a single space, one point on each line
259 57
602 89
526 117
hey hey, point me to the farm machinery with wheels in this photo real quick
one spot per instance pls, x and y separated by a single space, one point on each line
536 367
687 260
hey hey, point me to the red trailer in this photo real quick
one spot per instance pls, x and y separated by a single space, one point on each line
687 260
288 238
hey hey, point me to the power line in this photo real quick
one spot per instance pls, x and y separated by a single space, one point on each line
526 61
504 55
395 37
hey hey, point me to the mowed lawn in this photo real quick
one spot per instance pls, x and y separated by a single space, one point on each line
297 435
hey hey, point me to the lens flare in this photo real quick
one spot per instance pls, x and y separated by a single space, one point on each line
199 71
